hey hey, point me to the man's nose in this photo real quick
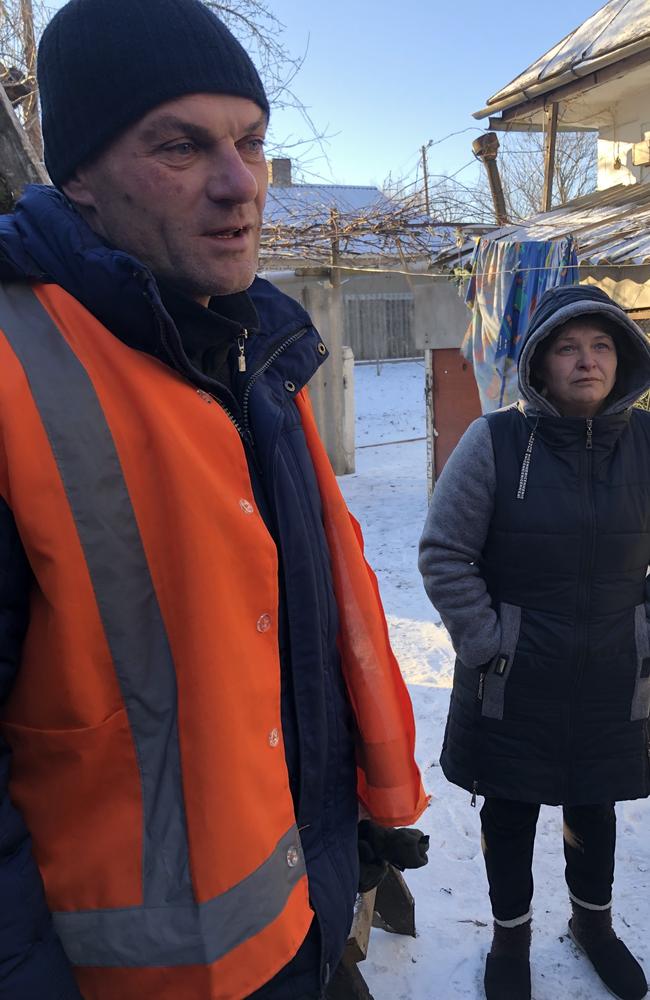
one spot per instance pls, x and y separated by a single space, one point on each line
230 179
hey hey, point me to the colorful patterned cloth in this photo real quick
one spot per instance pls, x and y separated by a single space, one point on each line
507 281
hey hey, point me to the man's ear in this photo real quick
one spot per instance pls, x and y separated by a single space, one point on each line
78 189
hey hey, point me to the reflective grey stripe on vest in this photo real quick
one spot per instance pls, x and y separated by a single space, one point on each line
92 476
185 935
169 928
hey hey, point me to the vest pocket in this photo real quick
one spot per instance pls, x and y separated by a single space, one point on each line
80 795
641 698
496 677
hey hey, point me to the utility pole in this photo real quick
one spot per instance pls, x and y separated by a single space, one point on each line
486 149
425 172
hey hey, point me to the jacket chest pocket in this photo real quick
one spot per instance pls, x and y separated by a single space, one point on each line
496 677
641 698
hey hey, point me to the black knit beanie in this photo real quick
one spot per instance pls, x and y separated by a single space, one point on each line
103 64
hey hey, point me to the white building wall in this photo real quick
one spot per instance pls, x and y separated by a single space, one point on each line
630 124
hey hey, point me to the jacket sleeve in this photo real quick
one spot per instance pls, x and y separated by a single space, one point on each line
454 534
33 965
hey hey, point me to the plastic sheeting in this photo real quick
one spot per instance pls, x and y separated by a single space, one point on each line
507 281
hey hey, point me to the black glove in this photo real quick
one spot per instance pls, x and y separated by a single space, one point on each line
380 846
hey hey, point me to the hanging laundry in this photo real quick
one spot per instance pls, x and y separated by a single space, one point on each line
506 283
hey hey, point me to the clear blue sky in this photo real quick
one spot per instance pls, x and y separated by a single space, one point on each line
385 77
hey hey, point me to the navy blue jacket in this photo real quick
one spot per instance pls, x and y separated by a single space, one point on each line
46 240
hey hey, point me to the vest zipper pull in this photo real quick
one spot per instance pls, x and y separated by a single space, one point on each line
474 794
241 344
589 434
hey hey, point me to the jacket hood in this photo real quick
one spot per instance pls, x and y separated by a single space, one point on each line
557 306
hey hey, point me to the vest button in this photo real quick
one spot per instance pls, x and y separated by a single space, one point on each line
246 506
293 857
274 738
263 623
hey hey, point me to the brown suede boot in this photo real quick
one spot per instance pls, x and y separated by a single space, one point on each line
592 932
507 968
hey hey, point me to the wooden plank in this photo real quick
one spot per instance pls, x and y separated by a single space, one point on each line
357 944
19 164
550 140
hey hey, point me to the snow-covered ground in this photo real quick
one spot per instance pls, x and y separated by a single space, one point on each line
388 496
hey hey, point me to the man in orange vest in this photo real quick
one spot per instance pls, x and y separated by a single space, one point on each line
196 681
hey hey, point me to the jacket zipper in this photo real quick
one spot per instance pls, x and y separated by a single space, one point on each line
243 432
209 397
585 576
479 695
263 368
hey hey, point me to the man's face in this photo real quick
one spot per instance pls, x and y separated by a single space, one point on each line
183 190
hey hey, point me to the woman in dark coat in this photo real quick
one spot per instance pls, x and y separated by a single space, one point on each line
535 553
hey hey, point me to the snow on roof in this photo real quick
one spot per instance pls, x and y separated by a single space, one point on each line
609 227
296 202
609 35
307 208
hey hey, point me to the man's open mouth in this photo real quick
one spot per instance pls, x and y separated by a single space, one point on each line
228 234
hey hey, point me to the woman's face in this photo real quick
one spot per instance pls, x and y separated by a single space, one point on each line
579 369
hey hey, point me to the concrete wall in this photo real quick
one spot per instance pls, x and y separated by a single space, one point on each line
441 316
630 124
324 303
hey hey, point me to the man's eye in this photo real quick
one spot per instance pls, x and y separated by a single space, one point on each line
252 147
180 149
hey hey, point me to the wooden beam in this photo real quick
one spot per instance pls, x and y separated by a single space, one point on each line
550 141
19 164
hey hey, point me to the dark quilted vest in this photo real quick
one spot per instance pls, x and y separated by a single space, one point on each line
561 713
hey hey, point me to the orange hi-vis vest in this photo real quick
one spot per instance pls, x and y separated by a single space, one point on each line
145 718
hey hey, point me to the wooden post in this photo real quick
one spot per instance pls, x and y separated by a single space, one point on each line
486 149
550 141
335 255
425 172
19 164
32 123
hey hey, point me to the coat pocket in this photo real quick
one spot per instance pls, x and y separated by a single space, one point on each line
641 698
496 677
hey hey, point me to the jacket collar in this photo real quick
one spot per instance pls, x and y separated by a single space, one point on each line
46 240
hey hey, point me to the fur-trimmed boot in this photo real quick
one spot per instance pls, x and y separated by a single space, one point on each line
507 968
592 932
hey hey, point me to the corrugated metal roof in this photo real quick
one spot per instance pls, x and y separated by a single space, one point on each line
602 39
315 201
609 227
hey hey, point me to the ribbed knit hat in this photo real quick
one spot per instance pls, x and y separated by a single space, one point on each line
103 64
